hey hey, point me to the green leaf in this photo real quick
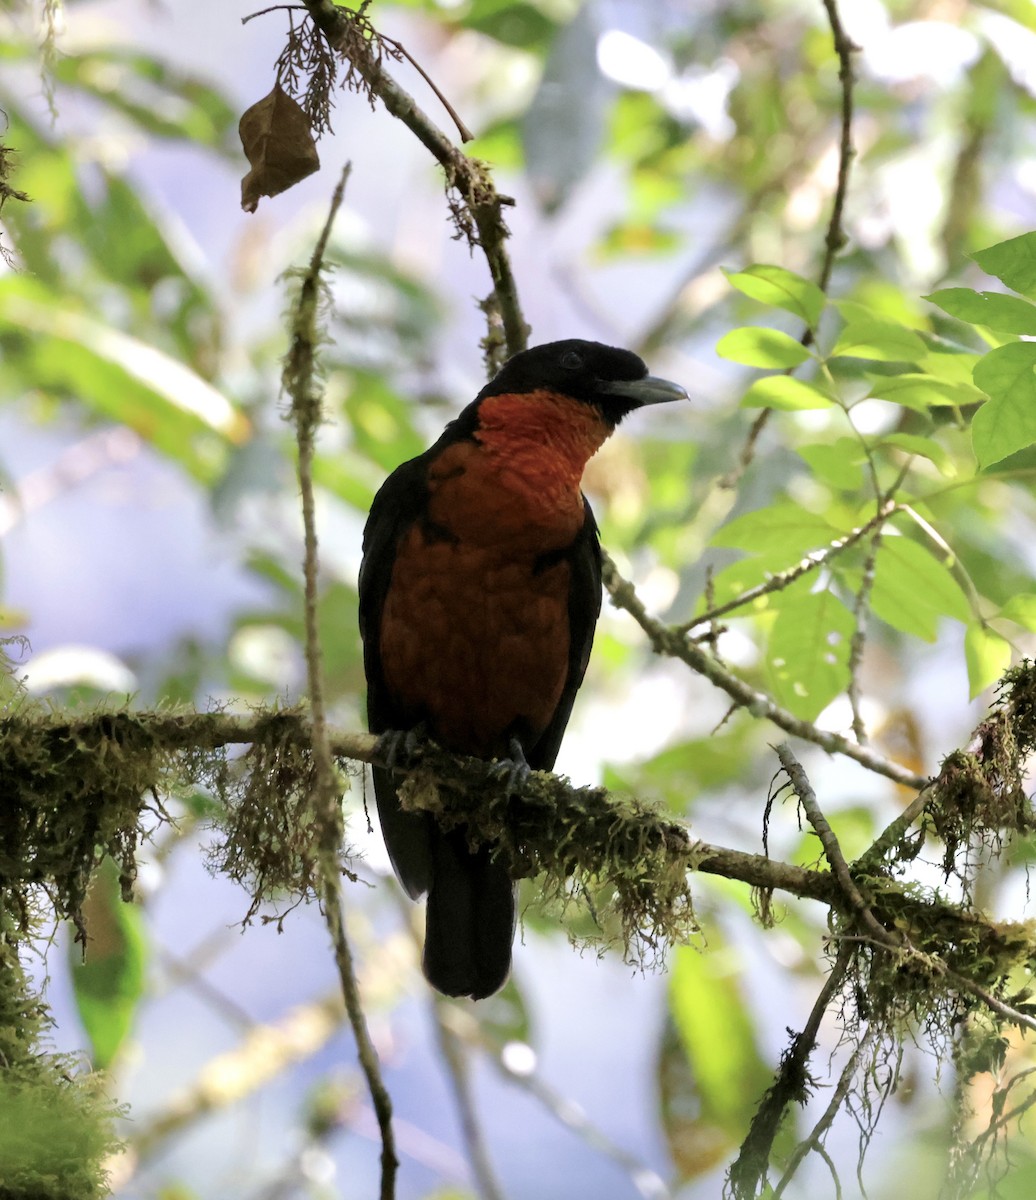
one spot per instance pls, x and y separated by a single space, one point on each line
717 1032
808 652
920 392
155 96
926 447
784 393
780 288
871 337
950 365
121 377
1013 262
757 346
1007 314
782 528
109 983
1022 610
514 24
1008 421
839 464
913 589
987 654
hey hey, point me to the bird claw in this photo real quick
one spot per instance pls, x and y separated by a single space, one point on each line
396 747
513 771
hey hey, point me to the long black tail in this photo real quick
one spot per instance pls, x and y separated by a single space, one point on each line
470 921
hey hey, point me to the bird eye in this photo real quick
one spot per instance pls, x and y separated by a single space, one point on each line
571 361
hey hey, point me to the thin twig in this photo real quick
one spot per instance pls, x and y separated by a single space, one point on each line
468 176
813 1141
465 133
783 579
894 831
832 850
861 605
299 382
454 1055
262 12
835 238
792 1086
675 644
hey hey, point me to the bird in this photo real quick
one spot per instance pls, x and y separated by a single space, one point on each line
479 592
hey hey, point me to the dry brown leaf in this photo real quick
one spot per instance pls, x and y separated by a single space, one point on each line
279 146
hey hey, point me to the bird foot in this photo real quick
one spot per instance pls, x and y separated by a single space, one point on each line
397 747
513 771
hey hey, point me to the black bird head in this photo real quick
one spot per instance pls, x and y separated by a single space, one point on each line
612 380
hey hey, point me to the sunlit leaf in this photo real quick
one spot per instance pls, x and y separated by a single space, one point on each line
780 288
926 447
987 654
716 1031
154 94
781 528
913 589
509 21
920 392
757 346
839 463
808 652
1008 421
109 983
124 378
1022 610
877 339
1008 314
1013 262
784 393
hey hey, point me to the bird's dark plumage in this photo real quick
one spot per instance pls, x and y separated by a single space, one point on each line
479 593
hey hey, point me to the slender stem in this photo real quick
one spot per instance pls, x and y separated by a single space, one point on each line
481 204
832 850
813 1142
465 133
455 1056
835 238
784 578
674 643
306 410
792 1086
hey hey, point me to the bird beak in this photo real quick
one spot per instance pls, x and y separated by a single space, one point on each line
649 390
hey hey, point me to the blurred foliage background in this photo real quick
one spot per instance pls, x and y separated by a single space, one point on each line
656 151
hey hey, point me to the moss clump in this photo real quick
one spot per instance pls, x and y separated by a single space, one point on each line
624 856
56 1130
72 790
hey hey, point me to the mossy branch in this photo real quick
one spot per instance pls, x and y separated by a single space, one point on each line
73 785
